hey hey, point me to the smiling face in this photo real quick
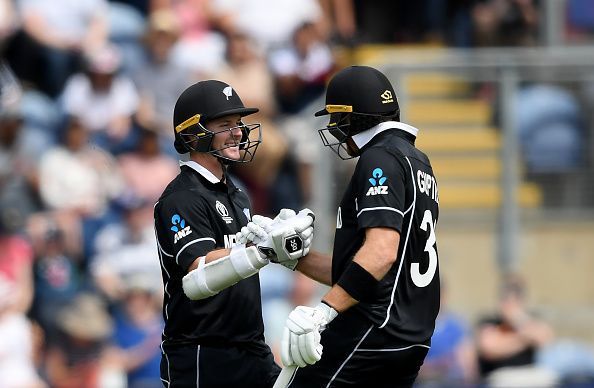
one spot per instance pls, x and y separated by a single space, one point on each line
227 136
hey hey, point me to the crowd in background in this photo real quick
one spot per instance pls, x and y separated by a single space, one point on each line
86 148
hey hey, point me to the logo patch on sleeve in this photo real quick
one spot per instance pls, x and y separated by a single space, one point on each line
179 228
377 180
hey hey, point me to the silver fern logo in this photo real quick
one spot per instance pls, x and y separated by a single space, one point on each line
228 92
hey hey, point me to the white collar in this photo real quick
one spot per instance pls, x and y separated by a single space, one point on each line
200 170
365 137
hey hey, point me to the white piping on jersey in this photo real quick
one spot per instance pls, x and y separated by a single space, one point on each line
380 208
394 349
198 367
161 249
365 137
165 282
349 357
167 382
193 242
201 170
404 247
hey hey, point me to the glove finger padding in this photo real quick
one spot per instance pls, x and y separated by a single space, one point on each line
295 353
286 348
257 232
285 214
307 347
263 222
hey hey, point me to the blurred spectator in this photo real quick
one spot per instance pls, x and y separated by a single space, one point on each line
61 30
549 125
17 369
159 80
9 21
388 21
16 260
56 279
137 331
301 69
147 160
126 27
269 24
199 48
509 341
452 359
126 248
580 19
92 181
18 164
340 18
16 293
78 357
245 68
105 102
505 23
551 133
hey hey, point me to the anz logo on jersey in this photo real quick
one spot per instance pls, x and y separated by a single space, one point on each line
377 180
180 228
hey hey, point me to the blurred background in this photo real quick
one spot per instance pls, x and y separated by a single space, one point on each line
503 94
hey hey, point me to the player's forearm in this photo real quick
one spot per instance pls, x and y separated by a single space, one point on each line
379 252
339 299
316 266
210 256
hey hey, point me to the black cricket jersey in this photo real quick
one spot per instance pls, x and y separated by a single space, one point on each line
393 185
196 214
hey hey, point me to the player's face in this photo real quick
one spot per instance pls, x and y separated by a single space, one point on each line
227 135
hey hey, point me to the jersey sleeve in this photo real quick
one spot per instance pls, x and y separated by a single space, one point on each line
185 226
380 190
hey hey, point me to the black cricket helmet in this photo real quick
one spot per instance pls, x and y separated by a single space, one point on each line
209 100
357 98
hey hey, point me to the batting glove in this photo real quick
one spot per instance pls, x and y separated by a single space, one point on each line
292 240
255 231
300 344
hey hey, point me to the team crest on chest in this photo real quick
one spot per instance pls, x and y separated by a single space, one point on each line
377 180
222 210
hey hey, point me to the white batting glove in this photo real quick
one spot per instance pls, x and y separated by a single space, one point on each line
255 231
291 236
283 240
300 344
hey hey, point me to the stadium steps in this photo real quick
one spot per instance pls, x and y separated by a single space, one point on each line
457 134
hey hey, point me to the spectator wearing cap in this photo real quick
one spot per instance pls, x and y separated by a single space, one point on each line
78 356
104 101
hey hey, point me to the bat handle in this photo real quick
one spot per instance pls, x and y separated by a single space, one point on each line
284 378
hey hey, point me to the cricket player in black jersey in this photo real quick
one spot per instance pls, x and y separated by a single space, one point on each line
213 334
375 323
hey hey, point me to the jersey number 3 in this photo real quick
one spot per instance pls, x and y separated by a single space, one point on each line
423 279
